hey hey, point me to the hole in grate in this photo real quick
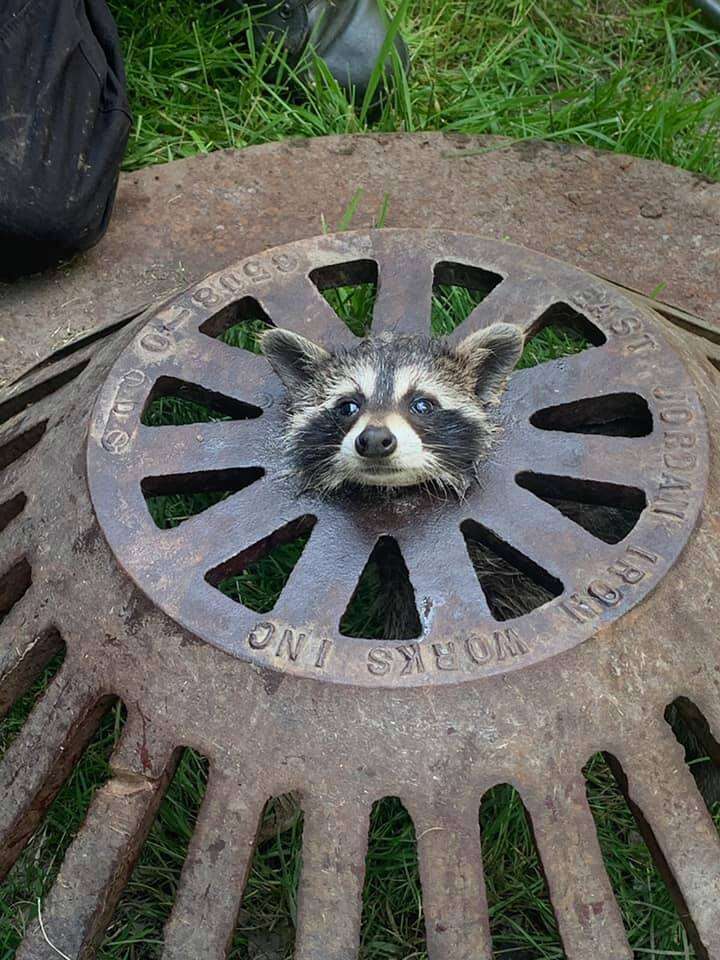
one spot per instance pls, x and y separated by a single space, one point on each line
640 877
351 290
702 751
268 915
174 403
22 687
174 498
28 679
257 576
457 290
14 583
41 390
10 509
513 584
559 332
383 606
392 919
612 415
239 324
148 897
18 445
35 869
608 511
522 919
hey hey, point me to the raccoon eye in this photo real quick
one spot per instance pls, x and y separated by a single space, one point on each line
348 408
422 406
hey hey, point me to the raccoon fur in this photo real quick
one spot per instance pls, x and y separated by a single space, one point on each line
399 411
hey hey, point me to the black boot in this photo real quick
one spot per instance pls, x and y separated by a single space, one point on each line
347 34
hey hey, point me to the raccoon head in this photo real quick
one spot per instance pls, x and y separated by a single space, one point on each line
393 411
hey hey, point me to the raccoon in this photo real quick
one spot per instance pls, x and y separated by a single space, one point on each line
396 412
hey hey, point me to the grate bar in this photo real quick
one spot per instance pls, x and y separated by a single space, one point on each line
223 445
213 879
516 300
619 460
454 900
303 308
40 758
335 840
330 567
587 912
404 295
443 578
95 870
680 823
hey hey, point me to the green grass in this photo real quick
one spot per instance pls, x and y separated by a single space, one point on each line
639 78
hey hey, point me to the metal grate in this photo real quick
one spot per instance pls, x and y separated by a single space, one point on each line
284 700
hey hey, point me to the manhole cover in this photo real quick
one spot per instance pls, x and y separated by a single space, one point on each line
626 625
654 461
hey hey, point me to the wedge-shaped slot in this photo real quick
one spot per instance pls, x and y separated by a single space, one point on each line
649 899
559 332
175 402
239 324
11 508
266 924
59 802
351 290
457 290
27 680
522 919
702 751
383 606
13 585
392 881
175 498
608 511
41 390
13 449
513 584
612 415
256 576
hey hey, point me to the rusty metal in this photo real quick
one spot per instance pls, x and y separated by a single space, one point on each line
642 224
473 703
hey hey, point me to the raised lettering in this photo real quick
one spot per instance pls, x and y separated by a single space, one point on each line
290 645
603 592
445 655
478 649
413 660
379 661
322 656
579 608
509 644
256 639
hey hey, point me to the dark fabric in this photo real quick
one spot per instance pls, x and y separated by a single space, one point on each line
64 123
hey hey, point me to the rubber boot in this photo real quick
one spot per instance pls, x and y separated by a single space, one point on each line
347 34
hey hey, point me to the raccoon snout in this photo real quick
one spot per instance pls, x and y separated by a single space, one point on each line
375 442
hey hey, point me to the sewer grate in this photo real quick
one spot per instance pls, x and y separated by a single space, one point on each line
476 700
178 569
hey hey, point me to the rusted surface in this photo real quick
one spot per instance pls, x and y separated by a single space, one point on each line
642 224
269 725
461 639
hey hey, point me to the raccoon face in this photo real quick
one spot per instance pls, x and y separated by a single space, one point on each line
393 411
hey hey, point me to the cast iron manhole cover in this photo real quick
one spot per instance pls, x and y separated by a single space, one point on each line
545 435
287 700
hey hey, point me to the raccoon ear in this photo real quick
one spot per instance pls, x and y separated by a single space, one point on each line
291 356
492 354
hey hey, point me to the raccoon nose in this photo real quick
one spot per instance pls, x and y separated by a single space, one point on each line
375 442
